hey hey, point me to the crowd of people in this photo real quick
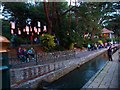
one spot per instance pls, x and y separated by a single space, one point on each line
96 46
99 46
26 55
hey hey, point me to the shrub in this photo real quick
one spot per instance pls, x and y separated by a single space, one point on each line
47 42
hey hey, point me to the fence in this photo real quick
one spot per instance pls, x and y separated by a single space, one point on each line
41 58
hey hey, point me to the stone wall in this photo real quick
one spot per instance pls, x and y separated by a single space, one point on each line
31 76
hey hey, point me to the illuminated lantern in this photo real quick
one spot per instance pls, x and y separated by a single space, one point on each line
39 29
12 32
19 32
39 25
30 28
38 33
45 29
27 32
12 25
23 30
27 29
35 29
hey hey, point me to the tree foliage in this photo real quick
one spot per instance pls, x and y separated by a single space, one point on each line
68 23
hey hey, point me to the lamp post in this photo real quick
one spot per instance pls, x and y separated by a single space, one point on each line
4 67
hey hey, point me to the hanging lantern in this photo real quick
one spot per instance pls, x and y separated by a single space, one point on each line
39 24
30 28
24 30
35 29
12 32
19 32
44 29
39 29
27 29
38 33
28 33
12 25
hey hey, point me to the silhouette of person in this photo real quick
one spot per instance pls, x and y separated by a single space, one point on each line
110 53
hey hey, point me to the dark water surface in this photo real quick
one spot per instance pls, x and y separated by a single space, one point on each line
79 77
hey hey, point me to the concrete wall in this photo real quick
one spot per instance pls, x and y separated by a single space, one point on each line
31 76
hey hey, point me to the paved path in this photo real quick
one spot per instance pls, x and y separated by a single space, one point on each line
108 77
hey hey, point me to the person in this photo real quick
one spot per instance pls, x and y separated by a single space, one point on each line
89 47
20 54
25 55
36 40
31 52
110 53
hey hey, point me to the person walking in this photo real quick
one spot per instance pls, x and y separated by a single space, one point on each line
110 53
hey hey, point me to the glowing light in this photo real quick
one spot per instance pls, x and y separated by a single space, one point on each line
35 29
30 28
12 25
42 35
27 29
38 33
23 30
12 32
39 29
39 24
27 32
45 29
19 32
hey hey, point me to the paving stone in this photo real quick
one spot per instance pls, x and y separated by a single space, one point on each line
109 76
103 86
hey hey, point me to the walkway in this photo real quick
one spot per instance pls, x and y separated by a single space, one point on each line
108 76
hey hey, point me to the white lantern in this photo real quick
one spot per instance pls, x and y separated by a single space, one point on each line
12 32
27 29
44 28
39 29
12 25
39 24
19 32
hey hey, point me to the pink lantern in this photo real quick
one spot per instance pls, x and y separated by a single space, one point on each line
12 32
12 25
27 29
19 32
35 29
24 30
39 29
30 28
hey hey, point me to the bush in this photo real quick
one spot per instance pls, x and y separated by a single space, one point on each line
47 42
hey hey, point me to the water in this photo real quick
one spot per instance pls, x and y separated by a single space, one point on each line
79 77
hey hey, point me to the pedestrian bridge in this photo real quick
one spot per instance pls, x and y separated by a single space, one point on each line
29 77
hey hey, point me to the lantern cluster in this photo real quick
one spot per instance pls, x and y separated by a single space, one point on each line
27 29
